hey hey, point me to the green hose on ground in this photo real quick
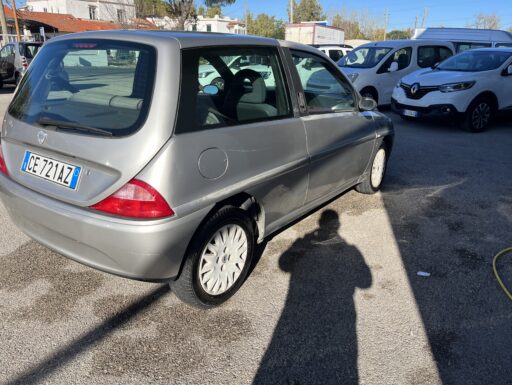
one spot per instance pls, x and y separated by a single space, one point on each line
501 253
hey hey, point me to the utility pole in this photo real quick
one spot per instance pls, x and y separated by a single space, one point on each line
424 19
416 23
246 17
386 18
4 24
15 12
291 11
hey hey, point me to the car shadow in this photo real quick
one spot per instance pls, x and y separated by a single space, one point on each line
311 345
449 202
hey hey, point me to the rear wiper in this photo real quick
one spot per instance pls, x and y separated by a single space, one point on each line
64 125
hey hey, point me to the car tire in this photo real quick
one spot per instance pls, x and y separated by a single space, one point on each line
208 279
478 115
373 181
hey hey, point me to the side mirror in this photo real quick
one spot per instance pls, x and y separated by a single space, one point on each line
211 89
367 104
507 71
393 67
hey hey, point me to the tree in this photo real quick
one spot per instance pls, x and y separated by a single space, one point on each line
149 8
308 10
399 34
358 24
486 21
213 11
182 11
351 27
265 25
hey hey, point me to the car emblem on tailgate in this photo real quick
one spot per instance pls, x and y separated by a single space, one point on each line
415 88
41 137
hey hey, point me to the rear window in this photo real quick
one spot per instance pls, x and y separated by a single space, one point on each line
29 50
98 84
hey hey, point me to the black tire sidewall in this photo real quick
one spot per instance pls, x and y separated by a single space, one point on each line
227 216
468 121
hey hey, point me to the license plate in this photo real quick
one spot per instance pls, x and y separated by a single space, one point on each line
50 169
413 114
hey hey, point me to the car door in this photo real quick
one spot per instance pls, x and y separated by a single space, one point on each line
246 136
9 62
340 138
5 55
387 79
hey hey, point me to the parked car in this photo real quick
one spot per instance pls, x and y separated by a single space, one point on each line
209 75
141 172
467 38
375 68
471 86
335 52
14 60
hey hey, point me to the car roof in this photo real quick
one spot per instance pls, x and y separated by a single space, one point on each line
493 49
185 39
405 43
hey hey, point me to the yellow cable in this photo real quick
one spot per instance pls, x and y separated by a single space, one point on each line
502 252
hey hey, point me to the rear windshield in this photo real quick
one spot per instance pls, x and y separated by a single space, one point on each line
29 50
100 84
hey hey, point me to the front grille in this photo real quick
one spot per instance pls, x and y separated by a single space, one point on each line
422 91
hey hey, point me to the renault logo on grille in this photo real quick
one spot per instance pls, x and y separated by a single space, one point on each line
415 88
41 137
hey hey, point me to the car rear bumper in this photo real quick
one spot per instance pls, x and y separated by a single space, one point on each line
436 110
144 250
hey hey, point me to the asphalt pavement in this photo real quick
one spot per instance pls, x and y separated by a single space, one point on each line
334 299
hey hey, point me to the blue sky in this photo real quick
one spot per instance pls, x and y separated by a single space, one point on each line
402 13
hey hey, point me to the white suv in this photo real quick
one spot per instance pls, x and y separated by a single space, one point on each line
472 86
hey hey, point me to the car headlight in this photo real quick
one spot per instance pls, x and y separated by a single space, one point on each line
352 77
203 75
399 84
452 87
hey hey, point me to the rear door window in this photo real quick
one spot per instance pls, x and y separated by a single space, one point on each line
460 47
92 83
227 86
430 55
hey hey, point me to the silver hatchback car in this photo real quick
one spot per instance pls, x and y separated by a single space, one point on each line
114 154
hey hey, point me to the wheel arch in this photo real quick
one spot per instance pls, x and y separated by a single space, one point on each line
488 95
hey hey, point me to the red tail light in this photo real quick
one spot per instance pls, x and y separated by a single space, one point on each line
3 166
136 199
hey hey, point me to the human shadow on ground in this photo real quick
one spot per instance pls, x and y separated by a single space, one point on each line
311 345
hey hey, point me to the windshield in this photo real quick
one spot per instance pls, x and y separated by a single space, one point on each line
364 57
101 84
475 61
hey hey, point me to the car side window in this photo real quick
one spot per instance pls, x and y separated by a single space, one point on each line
324 87
227 86
428 56
402 57
335 54
6 51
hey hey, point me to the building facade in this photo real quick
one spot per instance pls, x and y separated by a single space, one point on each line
118 11
221 24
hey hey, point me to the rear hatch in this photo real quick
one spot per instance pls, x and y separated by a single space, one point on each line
81 123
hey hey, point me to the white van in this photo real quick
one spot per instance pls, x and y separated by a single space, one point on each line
466 38
375 68
335 52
